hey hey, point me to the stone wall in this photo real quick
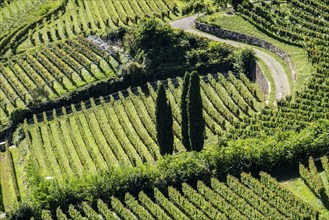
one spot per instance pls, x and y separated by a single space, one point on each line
222 33
262 81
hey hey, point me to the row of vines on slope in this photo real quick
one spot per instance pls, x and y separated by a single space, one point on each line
120 129
51 72
249 198
89 17
307 25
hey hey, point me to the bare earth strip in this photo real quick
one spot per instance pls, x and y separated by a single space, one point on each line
277 71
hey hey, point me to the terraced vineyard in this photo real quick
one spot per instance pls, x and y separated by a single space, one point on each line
245 199
100 158
88 17
16 11
304 17
9 190
56 70
314 181
19 17
307 25
120 129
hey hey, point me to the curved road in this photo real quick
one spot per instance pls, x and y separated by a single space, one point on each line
277 71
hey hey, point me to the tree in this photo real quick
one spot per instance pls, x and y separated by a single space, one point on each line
164 122
222 3
236 3
245 62
159 47
38 95
183 104
136 72
196 123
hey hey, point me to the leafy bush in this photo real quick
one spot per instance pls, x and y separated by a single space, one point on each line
245 62
164 52
253 154
158 46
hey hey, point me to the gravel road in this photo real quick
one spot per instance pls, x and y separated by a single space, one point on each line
277 71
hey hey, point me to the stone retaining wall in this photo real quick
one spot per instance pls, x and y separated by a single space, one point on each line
262 81
222 33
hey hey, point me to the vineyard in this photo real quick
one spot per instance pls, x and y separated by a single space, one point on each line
247 198
37 22
16 11
91 92
53 71
120 129
90 17
307 25
238 198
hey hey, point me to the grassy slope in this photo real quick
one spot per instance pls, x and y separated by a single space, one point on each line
28 16
298 187
27 44
298 55
7 185
303 70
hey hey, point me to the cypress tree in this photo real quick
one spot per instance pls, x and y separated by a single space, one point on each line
236 3
183 104
164 122
196 123
169 131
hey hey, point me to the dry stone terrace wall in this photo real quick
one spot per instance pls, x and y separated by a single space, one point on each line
262 81
223 33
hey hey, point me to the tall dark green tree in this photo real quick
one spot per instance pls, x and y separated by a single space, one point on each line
183 104
164 122
196 123
236 3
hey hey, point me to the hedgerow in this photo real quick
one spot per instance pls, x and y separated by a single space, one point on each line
283 149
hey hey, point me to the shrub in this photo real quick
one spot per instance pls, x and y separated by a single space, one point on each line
285 148
164 122
196 123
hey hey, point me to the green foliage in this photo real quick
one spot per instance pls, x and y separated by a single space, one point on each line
245 199
193 6
44 9
38 95
164 122
289 197
207 6
313 180
236 3
245 62
136 72
18 115
196 123
285 148
193 123
121 130
24 211
164 52
183 109
160 47
54 83
18 136
211 57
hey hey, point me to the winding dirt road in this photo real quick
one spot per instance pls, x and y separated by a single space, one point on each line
277 71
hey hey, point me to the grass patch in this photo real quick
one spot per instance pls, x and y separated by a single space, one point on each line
9 198
180 4
298 55
298 187
289 177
